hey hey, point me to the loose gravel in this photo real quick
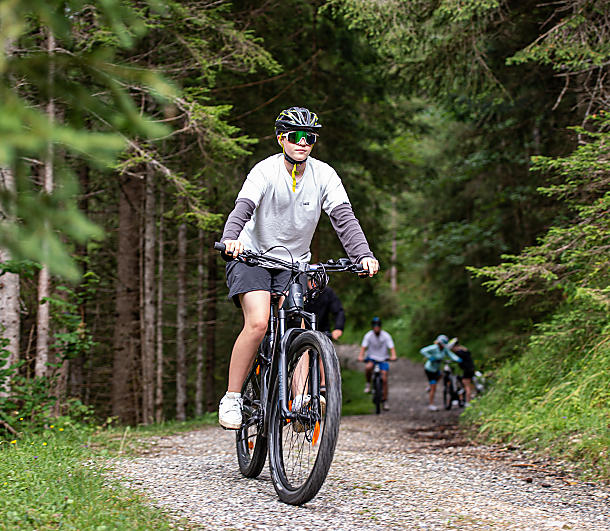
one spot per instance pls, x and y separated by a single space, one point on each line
404 469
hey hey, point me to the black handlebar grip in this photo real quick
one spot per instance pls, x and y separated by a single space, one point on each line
219 246
359 268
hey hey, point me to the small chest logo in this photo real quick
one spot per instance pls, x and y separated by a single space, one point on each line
306 203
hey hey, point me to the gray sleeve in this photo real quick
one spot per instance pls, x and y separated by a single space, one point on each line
350 233
240 215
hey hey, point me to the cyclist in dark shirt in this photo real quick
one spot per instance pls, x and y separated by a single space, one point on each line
325 304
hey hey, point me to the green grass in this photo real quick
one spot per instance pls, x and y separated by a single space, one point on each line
45 484
555 398
355 402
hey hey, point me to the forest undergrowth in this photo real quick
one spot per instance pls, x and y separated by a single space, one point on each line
555 398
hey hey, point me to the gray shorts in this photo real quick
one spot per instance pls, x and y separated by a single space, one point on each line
242 278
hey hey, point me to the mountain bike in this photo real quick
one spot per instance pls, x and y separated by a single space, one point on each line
453 388
377 386
292 394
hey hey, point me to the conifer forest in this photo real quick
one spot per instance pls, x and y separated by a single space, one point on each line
472 137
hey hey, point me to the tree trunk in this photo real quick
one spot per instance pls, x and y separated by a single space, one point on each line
126 336
148 306
159 374
77 364
394 258
180 327
42 327
9 296
210 355
200 299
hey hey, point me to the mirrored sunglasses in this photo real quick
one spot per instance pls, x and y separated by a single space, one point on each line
295 137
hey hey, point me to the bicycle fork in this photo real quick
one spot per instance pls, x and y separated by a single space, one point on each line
312 370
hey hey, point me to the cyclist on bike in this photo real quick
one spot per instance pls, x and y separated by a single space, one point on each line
435 354
325 304
277 210
467 366
378 342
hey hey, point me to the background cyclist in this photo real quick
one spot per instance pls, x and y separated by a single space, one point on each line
435 354
467 366
324 305
278 209
377 343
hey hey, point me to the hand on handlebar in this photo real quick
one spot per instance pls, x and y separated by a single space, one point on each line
233 248
370 266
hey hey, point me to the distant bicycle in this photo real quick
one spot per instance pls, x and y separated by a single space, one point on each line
453 388
377 386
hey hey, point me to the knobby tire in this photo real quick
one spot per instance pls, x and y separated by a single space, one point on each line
447 394
377 393
298 466
251 445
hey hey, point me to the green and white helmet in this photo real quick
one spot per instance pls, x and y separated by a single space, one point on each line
297 119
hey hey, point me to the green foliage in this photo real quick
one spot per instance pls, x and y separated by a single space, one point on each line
355 402
577 41
555 397
72 338
32 403
433 46
90 86
573 255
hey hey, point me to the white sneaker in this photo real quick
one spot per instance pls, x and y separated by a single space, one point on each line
229 411
300 401
432 407
466 404
367 388
386 407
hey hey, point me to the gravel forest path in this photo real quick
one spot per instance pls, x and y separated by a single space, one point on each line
408 468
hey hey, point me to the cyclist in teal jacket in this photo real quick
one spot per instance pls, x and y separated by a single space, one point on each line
436 354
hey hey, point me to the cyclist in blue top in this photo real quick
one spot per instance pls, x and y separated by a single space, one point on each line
435 354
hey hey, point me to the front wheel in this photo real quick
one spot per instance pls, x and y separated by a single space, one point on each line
377 393
301 450
251 445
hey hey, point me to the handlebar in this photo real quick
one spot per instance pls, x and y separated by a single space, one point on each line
252 258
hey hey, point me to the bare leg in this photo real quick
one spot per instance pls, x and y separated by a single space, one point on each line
368 370
300 385
255 306
432 391
384 380
468 387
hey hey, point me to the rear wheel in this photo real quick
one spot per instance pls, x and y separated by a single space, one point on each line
301 450
447 394
461 392
250 443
